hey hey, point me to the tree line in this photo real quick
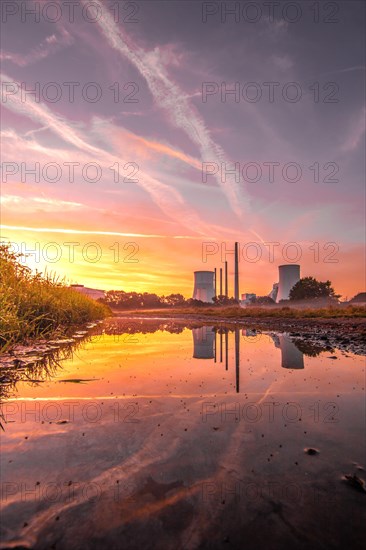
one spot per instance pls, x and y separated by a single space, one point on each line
307 288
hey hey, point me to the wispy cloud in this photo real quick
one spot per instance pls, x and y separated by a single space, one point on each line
32 203
168 199
68 231
355 134
173 100
49 46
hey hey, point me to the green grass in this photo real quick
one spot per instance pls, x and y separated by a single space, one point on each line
236 312
33 306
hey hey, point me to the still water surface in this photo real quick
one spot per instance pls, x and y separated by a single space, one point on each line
155 435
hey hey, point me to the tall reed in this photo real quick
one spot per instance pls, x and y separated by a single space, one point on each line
33 305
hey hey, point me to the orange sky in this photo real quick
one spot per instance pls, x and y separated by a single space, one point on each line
165 264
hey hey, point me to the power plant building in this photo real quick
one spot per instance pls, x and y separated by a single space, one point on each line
248 298
289 275
274 292
204 288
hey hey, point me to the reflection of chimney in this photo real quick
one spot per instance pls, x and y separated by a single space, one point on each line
237 358
291 356
226 349
215 345
220 346
226 282
236 276
203 343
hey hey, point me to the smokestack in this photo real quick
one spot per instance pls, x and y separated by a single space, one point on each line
215 282
236 276
220 281
226 282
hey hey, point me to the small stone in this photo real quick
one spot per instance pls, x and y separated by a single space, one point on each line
311 451
356 482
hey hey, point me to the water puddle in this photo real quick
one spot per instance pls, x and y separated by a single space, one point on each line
167 434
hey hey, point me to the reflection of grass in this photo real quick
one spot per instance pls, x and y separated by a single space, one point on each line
39 371
35 373
236 312
33 306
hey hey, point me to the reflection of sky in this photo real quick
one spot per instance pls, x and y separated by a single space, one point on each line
158 425
169 132
183 364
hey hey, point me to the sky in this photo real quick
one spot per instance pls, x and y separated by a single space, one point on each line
158 133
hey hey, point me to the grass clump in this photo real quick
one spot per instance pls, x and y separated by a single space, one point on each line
33 306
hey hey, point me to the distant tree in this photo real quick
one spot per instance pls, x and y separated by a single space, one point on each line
174 300
309 288
196 303
263 301
222 300
131 300
149 300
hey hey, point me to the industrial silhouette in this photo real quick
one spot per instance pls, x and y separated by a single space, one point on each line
213 343
206 286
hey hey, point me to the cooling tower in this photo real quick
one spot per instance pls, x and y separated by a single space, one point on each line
204 286
289 274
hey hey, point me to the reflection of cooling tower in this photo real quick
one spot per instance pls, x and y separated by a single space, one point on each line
203 342
204 286
292 357
289 275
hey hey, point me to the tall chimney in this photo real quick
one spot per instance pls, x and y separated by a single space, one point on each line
220 281
236 276
215 282
226 282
